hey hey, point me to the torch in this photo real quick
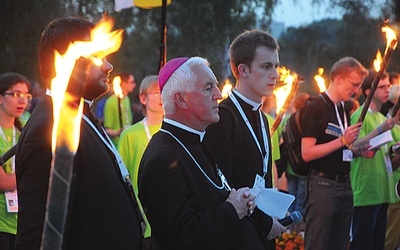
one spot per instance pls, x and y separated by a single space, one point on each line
286 92
118 92
67 89
225 90
391 44
320 80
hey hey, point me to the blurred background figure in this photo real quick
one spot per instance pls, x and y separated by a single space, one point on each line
352 105
112 112
394 79
134 140
14 98
296 183
372 178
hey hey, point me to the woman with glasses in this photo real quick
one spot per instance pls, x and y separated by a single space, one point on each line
14 97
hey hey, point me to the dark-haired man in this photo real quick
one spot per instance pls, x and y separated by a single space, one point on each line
102 212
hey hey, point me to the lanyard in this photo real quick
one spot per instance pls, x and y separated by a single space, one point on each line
342 125
110 145
146 128
224 182
14 141
263 131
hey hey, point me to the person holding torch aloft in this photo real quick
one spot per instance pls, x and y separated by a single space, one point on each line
372 179
117 109
102 213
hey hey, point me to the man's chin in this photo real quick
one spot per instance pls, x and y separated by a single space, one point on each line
104 92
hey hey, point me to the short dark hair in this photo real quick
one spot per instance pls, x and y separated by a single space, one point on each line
243 48
7 80
56 37
367 84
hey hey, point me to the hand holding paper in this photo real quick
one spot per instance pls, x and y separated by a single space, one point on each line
272 202
380 140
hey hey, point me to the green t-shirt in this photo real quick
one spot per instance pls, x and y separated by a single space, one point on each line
132 144
276 155
371 183
111 115
8 221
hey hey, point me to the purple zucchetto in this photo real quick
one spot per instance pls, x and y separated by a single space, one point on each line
168 69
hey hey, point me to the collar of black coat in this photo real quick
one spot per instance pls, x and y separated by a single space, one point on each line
184 127
255 105
89 102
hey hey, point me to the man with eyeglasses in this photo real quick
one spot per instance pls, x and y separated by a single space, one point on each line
372 179
329 200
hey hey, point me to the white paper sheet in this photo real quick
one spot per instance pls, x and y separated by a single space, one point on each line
273 202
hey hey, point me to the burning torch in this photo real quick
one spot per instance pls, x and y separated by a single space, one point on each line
380 66
284 94
118 92
225 90
67 89
320 80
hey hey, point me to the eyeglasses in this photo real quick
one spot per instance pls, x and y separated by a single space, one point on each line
20 95
354 84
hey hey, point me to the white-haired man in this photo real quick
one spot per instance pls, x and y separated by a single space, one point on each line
188 201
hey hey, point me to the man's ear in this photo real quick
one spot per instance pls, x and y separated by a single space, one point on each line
179 99
243 70
142 99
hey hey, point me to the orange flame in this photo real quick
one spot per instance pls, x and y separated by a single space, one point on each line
391 38
226 89
378 61
282 92
102 43
320 80
117 87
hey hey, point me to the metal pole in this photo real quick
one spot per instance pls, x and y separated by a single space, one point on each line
163 42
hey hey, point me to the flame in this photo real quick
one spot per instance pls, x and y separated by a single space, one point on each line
117 87
226 89
320 80
378 61
282 92
102 43
391 38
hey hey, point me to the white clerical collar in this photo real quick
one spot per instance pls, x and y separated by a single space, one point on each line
89 102
256 105
184 127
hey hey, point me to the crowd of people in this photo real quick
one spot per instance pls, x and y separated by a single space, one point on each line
185 176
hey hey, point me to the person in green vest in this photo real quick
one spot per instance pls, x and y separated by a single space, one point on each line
14 97
133 141
372 179
118 118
